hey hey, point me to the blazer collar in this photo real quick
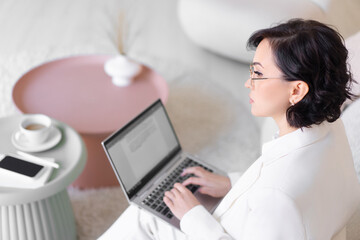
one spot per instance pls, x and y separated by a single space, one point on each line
302 137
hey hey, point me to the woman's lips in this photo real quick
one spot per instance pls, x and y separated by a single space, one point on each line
251 101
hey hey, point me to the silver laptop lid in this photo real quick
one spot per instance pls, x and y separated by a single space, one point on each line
142 148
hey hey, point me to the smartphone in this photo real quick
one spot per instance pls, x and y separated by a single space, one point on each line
20 166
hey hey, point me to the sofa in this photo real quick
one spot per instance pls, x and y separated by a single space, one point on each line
222 26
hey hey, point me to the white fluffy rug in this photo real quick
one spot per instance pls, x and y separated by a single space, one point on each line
96 210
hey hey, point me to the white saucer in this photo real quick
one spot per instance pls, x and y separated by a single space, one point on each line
21 143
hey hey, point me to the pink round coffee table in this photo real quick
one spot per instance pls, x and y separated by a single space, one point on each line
77 91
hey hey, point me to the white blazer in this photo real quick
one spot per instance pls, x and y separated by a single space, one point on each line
304 186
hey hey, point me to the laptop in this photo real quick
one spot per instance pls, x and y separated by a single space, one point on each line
147 160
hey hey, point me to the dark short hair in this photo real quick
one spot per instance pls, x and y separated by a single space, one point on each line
312 52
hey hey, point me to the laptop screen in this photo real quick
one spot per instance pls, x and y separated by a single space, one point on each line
142 147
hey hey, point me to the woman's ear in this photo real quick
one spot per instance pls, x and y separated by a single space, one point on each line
299 89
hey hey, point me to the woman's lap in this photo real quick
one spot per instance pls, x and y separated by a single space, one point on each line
137 224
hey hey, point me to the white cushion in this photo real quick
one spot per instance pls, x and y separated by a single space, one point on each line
351 117
352 44
224 26
340 235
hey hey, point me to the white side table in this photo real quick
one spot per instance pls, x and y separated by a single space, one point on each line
45 212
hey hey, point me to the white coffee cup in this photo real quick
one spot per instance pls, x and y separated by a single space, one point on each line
36 128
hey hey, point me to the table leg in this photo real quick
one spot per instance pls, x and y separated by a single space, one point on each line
98 171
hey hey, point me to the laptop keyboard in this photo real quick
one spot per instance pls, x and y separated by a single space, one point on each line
155 198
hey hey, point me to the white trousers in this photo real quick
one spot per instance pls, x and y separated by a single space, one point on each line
137 224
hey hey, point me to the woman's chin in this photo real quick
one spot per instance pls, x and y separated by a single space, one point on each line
256 113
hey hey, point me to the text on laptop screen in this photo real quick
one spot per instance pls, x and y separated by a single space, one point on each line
142 145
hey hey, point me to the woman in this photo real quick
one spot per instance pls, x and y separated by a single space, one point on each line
304 185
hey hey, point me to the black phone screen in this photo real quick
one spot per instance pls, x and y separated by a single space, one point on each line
20 166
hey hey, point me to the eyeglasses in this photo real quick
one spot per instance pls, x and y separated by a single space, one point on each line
253 73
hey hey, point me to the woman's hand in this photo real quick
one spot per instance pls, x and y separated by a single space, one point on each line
210 183
180 200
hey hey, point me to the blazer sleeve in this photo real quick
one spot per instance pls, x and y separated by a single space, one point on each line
198 223
272 216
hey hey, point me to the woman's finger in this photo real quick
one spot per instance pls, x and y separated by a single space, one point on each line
197 171
170 195
175 191
168 202
194 180
205 190
180 188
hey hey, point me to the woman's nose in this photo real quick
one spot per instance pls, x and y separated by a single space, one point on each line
248 83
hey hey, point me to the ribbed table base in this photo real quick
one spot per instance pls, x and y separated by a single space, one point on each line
50 218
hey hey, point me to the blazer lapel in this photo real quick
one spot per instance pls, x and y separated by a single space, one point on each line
241 186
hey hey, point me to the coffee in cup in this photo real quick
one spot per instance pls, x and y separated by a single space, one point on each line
36 128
